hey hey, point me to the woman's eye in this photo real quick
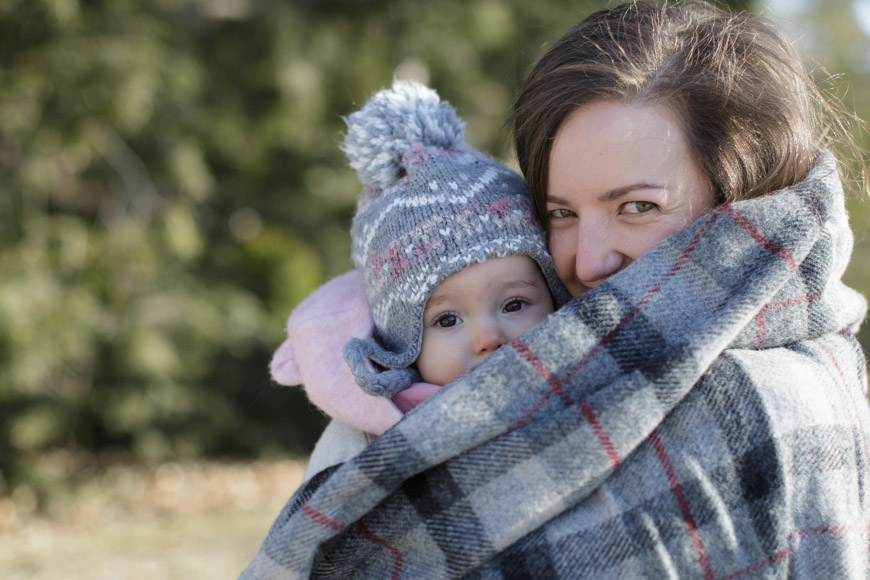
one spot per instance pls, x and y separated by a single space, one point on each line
447 321
515 305
638 206
561 213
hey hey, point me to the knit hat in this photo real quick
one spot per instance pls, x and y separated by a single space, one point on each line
431 206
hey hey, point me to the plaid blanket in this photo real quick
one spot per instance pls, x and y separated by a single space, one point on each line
702 414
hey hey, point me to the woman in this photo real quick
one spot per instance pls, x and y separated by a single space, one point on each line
699 409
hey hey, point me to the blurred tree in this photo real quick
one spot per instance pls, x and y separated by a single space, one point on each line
834 37
171 186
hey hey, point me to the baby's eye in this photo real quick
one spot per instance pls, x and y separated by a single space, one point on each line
561 213
515 305
447 320
638 207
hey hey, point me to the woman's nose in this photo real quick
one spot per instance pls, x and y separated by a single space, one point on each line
597 254
488 338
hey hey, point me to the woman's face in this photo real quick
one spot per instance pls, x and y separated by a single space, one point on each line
621 179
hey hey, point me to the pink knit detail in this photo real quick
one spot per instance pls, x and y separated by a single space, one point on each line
395 258
500 207
428 247
398 259
418 155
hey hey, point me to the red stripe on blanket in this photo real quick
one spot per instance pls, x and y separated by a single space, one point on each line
397 556
556 384
779 556
556 388
683 503
851 398
760 321
537 364
600 432
756 235
782 554
321 519
678 265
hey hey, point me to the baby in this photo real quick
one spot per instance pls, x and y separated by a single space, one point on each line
452 261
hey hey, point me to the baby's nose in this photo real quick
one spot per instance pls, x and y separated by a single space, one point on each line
488 338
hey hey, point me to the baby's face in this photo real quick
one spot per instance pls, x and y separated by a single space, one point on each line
475 311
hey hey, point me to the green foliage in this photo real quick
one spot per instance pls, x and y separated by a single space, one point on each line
171 186
830 37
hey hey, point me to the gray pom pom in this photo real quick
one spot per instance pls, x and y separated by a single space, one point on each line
391 123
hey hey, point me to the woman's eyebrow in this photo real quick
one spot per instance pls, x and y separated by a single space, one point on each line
610 194
557 200
618 192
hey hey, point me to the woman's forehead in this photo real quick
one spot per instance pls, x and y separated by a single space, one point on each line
609 149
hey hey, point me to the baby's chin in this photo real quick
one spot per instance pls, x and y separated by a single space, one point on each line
469 370
442 381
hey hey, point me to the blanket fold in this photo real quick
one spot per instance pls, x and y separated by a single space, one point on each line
700 414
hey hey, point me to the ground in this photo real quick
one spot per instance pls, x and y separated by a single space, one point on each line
202 520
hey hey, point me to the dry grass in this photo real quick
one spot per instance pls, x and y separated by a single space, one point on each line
202 520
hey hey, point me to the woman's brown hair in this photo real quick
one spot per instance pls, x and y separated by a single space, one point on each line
749 109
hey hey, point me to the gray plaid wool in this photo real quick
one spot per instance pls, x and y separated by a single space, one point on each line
702 414
431 206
